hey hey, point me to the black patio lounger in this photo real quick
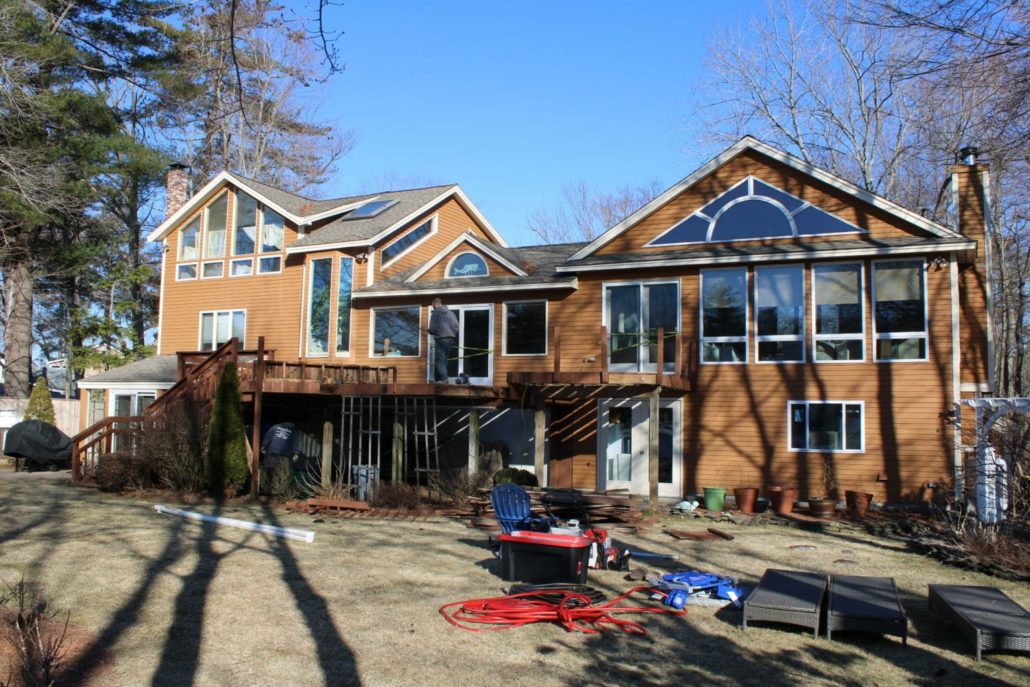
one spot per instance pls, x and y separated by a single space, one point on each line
787 596
866 604
984 614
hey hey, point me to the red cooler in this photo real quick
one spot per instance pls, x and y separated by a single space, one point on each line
541 557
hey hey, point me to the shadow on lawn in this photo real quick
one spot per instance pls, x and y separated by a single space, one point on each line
180 657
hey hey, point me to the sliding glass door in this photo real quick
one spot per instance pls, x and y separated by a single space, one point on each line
633 314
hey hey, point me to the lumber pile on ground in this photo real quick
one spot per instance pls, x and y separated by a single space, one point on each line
615 509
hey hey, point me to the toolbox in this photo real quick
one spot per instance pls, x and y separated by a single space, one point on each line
542 557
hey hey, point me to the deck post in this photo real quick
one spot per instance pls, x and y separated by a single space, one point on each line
660 369
604 354
678 369
652 449
259 383
557 351
473 440
327 453
539 427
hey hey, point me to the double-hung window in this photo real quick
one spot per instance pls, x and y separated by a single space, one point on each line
825 426
780 313
217 327
724 316
899 310
837 306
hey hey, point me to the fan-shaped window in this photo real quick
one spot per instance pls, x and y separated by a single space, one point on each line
467 265
753 209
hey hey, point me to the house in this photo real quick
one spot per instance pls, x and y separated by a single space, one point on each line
759 322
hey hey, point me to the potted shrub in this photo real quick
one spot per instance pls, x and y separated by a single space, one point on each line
781 499
825 505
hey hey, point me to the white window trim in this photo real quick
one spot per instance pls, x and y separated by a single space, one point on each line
447 271
641 283
260 243
702 339
924 334
504 329
307 310
212 262
233 261
433 224
207 226
196 267
200 243
214 330
781 337
125 391
816 337
338 266
262 256
372 332
843 404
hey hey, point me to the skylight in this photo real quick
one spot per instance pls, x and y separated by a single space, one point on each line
753 209
370 209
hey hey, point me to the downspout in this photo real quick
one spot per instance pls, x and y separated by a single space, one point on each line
956 394
988 250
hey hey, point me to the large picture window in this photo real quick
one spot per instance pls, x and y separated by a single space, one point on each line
214 231
219 326
525 328
780 313
899 310
825 426
343 292
395 331
318 306
724 316
837 303
408 241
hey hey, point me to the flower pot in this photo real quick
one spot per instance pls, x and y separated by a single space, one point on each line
745 498
822 508
858 503
781 499
715 498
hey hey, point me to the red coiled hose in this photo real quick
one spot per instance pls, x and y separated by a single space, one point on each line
573 611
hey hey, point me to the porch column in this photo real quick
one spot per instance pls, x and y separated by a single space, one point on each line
539 427
473 440
259 383
327 453
652 448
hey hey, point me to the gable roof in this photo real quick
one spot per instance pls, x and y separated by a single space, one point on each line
156 372
751 143
500 254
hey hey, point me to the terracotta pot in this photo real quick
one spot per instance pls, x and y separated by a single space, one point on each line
822 508
782 499
858 503
745 498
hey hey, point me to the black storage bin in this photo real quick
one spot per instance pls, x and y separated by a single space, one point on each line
541 557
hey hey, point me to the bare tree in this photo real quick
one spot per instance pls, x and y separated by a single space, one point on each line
583 212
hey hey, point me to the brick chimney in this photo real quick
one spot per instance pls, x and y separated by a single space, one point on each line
970 188
177 183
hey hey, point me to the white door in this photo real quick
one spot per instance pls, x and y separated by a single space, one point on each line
622 458
474 355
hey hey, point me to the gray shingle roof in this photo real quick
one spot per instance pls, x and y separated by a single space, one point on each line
159 369
341 230
298 205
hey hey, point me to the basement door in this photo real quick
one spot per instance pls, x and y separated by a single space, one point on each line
622 446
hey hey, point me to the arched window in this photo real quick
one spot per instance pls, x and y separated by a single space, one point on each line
467 265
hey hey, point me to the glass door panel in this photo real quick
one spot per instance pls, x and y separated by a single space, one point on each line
662 310
475 342
623 324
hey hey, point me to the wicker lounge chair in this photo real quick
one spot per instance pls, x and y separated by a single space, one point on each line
787 596
866 604
984 614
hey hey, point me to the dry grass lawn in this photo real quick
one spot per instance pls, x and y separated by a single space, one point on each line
173 602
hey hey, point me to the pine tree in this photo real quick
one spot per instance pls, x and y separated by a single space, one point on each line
227 438
41 405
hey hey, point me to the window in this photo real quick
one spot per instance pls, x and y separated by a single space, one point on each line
245 235
219 326
825 426
318 306
633 314
343 291
899 310
620 444
241 268
211 270
272 231
408 241
186 272
753 209
780 313
837 307
189 241
724 316
468 265
395 331
370 209
525 328
214 228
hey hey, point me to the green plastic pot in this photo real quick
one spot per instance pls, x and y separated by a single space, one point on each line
715 498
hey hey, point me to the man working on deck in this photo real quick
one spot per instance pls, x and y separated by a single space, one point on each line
443 325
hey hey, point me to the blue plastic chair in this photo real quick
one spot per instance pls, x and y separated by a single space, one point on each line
512 508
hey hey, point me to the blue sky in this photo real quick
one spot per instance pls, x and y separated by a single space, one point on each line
513 99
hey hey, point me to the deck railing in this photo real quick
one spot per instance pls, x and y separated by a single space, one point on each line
115 434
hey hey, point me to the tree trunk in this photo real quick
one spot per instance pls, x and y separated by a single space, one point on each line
18 334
